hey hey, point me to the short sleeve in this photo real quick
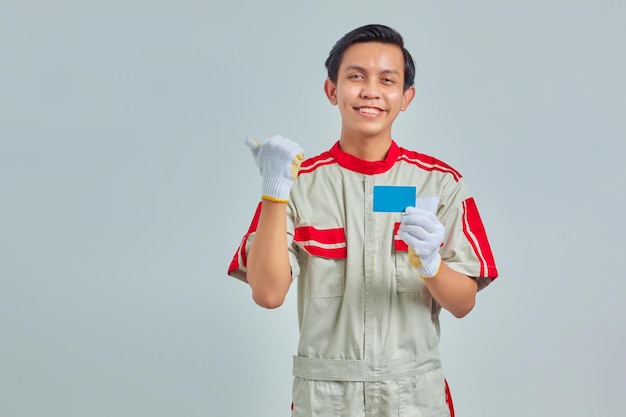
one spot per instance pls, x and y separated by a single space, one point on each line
238 265
466 248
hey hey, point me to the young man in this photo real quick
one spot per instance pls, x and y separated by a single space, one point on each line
380 239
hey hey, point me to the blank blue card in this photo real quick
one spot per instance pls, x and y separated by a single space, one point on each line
393 199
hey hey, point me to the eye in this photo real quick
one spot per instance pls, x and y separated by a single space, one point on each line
387 80
356 76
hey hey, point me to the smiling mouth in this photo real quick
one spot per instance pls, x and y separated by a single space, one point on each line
369 110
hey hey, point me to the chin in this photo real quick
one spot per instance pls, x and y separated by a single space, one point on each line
371 132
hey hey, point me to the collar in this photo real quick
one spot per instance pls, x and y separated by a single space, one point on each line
362 166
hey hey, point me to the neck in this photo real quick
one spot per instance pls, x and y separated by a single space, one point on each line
367 149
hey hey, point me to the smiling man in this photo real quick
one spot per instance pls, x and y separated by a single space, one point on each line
369 90
380 239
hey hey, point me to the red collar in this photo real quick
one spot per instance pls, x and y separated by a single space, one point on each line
361 166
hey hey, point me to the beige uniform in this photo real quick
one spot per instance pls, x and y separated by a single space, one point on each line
369 328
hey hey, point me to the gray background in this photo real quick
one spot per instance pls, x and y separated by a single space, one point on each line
125 188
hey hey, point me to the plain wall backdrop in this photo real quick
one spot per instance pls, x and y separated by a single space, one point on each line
125 188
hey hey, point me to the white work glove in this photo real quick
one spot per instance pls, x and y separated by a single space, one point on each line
422 231
278 159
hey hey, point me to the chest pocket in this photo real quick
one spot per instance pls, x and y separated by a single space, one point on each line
407 279
324 264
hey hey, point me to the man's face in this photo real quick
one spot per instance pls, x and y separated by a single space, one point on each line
369 90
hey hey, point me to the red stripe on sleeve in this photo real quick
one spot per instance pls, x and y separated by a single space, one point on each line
234 264
475 232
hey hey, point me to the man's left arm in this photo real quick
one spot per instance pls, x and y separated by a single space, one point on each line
422 231
452 290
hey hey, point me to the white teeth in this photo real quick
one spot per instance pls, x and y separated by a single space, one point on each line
368 110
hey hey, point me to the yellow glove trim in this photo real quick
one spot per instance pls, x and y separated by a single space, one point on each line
433 276
274 199
416 262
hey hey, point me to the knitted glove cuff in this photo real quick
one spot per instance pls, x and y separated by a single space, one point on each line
276 187
431 268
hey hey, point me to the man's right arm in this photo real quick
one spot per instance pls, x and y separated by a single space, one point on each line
268 269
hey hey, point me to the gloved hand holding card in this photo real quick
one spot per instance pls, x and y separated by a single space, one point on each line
422 231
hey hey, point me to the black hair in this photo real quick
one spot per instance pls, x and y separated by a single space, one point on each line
370 33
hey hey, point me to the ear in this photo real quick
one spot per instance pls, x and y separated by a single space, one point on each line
331 91
407 97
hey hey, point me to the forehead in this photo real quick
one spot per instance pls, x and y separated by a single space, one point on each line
373 56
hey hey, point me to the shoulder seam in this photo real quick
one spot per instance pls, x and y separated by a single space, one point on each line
311 164
428 163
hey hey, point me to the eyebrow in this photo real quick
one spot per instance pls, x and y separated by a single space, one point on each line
361 69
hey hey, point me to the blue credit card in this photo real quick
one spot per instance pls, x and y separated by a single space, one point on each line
393 199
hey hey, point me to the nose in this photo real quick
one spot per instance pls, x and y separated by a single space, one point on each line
370 89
